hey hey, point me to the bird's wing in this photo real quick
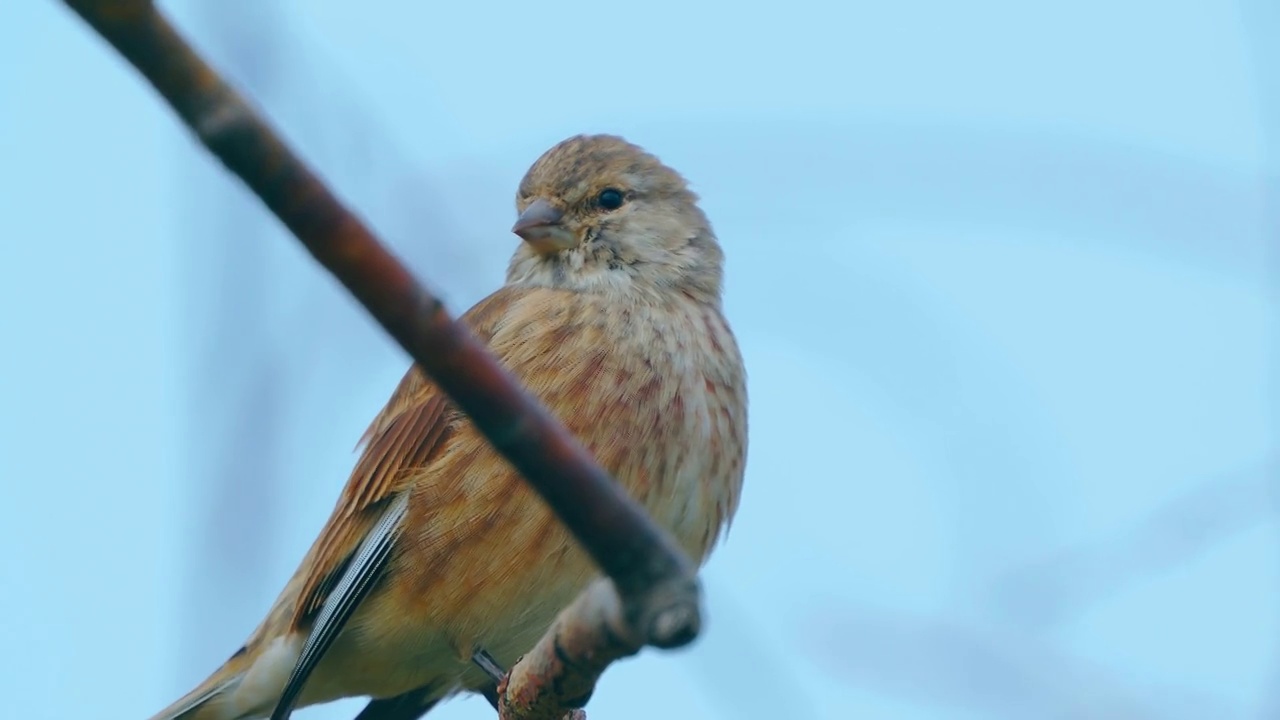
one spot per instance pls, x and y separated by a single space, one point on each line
352 550
401 439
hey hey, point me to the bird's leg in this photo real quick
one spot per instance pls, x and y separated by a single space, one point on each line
494 670
491 667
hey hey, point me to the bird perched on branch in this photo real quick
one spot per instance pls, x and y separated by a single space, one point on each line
611 316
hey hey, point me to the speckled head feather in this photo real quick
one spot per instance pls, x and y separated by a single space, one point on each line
576 168
630 224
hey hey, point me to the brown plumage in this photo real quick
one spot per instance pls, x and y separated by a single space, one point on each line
611 316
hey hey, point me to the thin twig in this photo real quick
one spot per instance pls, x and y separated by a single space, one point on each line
560 672
656 581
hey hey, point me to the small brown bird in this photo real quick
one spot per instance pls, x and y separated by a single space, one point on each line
610 315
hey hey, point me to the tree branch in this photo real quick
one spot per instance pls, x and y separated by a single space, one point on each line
561 671
656 583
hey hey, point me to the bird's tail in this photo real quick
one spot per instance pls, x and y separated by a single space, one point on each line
246 687
209 699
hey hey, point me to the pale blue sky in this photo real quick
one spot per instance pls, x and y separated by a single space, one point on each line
999 271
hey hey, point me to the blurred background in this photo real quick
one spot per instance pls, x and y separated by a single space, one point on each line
1006 276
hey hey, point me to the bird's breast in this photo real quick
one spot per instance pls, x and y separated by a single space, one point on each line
676 403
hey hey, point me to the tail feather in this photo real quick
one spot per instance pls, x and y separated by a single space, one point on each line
208 701
246 687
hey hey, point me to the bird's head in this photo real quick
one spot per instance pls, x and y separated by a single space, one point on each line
597 213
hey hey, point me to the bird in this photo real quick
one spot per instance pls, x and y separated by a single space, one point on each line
611 315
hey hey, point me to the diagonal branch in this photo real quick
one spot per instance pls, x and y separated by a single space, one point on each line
656 583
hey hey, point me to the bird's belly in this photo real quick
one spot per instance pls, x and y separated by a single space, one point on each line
389 649
528 575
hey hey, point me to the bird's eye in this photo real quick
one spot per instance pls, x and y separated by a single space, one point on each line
610 199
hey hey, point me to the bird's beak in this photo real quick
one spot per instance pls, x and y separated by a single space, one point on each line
539 225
